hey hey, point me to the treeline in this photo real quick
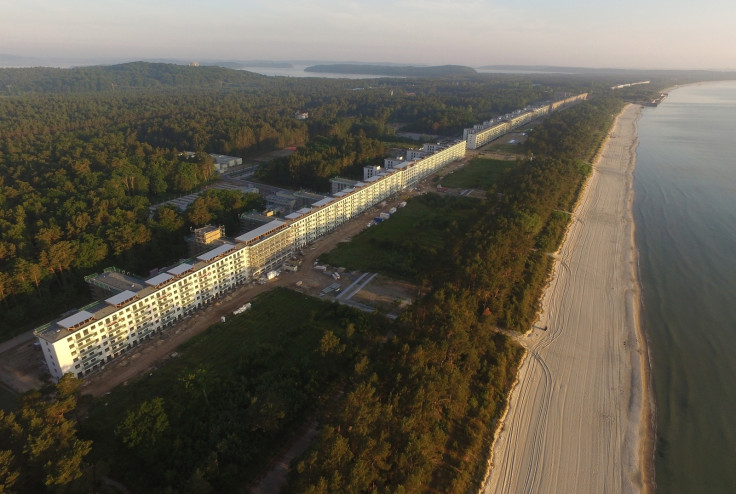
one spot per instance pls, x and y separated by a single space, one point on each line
421 417
135 75
530 218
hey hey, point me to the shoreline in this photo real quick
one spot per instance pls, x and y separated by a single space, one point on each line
648 421
599 370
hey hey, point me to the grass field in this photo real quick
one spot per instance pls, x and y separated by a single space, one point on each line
415 242
480 173
505 147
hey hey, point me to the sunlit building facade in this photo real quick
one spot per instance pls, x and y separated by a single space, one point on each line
86 340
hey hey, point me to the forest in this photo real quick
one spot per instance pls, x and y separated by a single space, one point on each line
85 152
424 413
403 406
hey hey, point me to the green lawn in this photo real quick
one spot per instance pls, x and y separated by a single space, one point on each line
480 173
415 242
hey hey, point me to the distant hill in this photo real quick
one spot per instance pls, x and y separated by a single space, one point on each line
394 71
134 75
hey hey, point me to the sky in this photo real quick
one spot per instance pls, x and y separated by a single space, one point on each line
643 34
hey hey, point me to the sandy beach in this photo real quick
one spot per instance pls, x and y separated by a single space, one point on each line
579 418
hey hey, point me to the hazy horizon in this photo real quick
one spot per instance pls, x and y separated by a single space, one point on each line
567 33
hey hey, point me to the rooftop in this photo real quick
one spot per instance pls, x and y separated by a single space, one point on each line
217 252
323 202
120 298
260 231
115 281
76 319
181 268
159 279
298 214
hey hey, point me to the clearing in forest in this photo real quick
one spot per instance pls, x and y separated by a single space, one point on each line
479 173
415 243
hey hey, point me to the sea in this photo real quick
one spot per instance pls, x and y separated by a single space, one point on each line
685 217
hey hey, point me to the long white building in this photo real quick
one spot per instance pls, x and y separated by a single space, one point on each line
481 134
90 338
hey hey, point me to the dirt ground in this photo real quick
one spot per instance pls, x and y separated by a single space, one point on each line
22 366
388 295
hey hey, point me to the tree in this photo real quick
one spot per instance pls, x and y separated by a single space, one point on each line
144 427
43 449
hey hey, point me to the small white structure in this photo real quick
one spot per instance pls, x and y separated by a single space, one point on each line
242 309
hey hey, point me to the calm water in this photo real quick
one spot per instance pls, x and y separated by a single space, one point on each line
298 71
685 213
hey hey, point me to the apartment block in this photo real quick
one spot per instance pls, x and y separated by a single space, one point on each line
88 339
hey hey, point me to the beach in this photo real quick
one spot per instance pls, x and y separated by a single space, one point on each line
580 418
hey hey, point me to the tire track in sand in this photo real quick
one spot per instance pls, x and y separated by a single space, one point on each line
570 419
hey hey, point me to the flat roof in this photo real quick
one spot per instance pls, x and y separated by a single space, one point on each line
181 268
120 298
323 202
261 230
115 281
158 279
298 214
211 254
372 179
75 319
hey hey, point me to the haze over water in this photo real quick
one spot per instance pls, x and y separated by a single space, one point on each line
685 214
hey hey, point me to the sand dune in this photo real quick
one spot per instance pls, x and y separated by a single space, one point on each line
574 423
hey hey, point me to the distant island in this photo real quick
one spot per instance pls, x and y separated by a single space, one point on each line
394 71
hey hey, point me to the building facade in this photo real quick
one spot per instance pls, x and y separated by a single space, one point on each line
481 134
90 338
87 339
